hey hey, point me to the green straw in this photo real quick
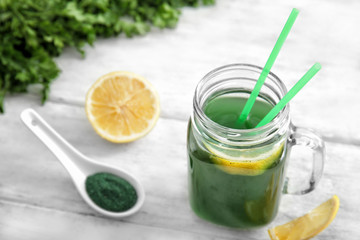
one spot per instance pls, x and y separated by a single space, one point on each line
274 53
293 91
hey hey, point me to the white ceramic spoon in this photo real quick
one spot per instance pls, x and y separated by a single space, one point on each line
78 165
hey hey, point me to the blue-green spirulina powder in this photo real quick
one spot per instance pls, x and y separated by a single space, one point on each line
110 192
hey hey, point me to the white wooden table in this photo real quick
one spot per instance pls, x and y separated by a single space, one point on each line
38 199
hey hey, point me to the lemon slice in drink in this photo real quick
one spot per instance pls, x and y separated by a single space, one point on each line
310 224
122 106
245 162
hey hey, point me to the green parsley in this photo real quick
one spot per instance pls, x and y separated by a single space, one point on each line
32 32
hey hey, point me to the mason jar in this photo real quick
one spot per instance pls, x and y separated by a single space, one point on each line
237 174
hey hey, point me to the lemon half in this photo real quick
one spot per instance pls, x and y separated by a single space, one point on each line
122 106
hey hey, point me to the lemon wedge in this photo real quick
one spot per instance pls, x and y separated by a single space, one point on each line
309 225
122 106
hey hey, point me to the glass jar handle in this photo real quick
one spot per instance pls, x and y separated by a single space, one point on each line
306 137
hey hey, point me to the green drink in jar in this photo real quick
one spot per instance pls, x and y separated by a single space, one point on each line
237 171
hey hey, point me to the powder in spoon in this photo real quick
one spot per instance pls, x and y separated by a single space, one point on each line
110 192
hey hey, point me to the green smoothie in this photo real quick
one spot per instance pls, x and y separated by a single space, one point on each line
235 188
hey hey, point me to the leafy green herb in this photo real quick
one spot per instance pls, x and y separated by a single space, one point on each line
32 32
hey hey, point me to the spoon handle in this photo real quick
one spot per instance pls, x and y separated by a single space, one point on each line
66 153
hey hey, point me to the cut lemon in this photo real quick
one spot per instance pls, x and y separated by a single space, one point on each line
246 162
122 106
262 210
310 224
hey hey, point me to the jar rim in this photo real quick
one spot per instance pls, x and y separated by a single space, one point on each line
246 133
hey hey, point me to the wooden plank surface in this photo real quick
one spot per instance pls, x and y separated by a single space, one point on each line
39 201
